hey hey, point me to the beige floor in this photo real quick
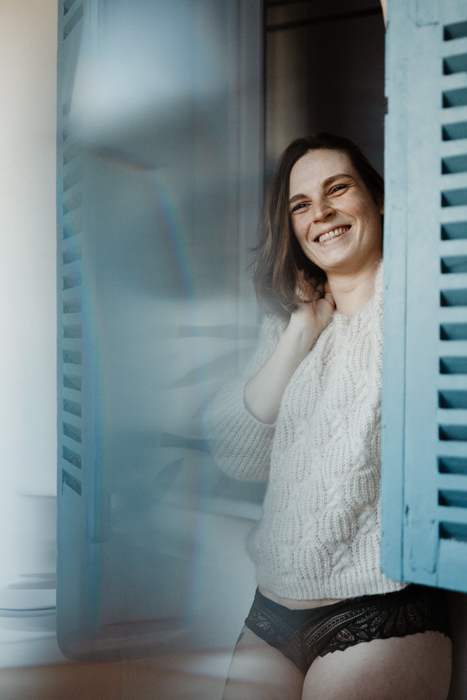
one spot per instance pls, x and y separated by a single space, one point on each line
171 677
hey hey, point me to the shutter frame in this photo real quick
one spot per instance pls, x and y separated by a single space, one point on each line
424 473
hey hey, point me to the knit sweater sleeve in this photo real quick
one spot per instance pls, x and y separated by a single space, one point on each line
241 444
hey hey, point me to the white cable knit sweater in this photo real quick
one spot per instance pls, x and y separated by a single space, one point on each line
320 532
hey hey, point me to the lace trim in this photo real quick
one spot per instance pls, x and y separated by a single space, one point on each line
277 633
425 612
395 615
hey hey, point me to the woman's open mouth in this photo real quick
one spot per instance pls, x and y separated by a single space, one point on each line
333 234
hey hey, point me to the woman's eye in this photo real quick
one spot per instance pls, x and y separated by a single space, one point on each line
337 188
297 207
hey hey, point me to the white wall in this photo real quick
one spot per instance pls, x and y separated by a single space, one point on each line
28 46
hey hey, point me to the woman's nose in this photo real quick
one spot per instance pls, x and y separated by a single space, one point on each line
322 210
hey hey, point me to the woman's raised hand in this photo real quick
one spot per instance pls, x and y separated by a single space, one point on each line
316 308
264 391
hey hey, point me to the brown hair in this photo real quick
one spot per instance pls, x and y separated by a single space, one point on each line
279 257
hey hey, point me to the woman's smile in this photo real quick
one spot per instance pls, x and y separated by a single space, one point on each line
332 234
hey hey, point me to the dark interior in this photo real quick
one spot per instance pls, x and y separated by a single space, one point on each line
324 72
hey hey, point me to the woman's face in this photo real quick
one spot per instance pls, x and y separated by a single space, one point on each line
334 217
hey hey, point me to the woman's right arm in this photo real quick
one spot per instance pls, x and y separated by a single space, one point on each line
242 415
264 391
241 444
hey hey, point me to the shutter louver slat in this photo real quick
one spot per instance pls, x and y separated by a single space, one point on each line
454 528
72 280
458 30
72 254
453 364
455 164
71 481
454 258
72 407
72 331
71 306
454 297
72 432
71 226
72 357
453 398
456 96
454 499
72 457
73 21
454 124
67 6
71 381
453 331
452 230
454 198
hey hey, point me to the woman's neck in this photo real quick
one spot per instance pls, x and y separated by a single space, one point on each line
352 291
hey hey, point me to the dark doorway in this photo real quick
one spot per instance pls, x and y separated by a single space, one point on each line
324 72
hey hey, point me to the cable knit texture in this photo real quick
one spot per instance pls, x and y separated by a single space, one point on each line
320 532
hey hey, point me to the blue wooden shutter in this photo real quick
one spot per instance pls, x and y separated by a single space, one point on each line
156 212
424 482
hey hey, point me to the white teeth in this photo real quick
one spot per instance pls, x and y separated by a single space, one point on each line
333 234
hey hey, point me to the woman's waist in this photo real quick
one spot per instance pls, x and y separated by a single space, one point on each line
304 604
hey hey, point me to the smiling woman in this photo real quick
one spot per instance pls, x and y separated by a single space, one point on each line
325 622
335 220
326 173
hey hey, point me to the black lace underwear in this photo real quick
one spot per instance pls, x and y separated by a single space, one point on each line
302 635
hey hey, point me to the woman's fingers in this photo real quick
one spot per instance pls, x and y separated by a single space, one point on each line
317 304
305 289
313 289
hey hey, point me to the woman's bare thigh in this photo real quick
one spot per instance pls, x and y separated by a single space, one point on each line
416 667
258 671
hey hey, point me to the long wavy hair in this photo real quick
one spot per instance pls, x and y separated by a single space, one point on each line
279 257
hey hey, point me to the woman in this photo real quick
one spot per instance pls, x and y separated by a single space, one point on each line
326 622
